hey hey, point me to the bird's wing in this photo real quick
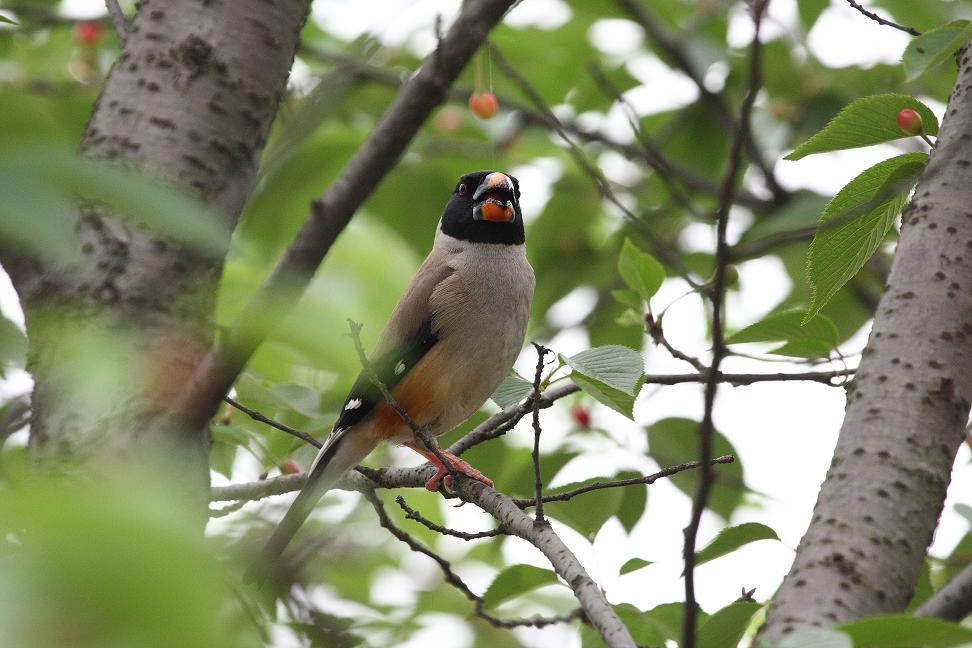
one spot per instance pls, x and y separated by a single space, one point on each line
407 337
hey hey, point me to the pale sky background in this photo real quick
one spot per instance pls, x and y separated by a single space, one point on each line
783 433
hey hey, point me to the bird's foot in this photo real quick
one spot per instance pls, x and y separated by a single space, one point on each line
443 474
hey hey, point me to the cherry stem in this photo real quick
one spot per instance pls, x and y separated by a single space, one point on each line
927 141
478 66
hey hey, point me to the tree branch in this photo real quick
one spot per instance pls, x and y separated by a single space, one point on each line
330 214
118 20
658 337
452 578
662 250
257 416
500 423
906 411
644 151
652 155
497 425
412 514
675 51
542 536
884 21
620 483
537 479
717 295
953 601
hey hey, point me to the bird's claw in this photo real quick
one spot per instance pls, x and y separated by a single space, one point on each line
443 476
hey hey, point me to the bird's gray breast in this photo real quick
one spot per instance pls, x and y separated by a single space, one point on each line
481 311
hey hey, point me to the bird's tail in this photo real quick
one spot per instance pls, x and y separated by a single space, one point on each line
336 458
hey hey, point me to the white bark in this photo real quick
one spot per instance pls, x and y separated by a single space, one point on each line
906 409
190 100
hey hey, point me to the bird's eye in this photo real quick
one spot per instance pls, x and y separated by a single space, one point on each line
462 189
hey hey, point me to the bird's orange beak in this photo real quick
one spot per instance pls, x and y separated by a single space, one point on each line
496 213
494 198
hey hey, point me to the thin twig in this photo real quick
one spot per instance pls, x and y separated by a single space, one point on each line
757 248
717 296
674 49
412 514
884 21
453 579
651 155
620 483
596 609
501 421
257 416
654 329
118 21
659 247
538 480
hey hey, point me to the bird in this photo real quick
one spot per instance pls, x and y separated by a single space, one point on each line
447 346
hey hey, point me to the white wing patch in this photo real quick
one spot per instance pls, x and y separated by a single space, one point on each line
331 438
353 404
400 368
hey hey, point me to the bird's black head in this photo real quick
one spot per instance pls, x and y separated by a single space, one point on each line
485 208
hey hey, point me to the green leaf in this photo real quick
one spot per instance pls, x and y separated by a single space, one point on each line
299 398
634 565
612 374
633 501
901 631
923 588
673 441
816 638
645 627
13 345
616 399
810 10
49 233
511 391
640 270
617 366
645 630
731 538
667 619
934 46
628 298
855 222
587 513
965 511
630 317
818 337
870 120
725 628
8 21
514 581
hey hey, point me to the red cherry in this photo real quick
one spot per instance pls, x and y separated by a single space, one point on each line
87 32
909 121
289 467
483 104
581 415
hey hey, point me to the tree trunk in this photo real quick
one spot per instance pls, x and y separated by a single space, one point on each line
906 409
190 100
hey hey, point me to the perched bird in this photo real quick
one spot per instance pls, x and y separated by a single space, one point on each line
450 341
